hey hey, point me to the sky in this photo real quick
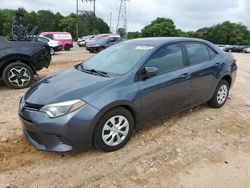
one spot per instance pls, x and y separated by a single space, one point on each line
188 15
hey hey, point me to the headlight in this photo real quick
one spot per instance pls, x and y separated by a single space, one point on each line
96 45
63 108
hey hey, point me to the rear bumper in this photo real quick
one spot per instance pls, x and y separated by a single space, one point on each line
234 75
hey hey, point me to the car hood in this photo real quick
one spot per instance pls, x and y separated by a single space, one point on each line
69 84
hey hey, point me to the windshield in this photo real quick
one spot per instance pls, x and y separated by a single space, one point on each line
118 59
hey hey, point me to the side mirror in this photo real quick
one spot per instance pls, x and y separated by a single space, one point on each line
150 72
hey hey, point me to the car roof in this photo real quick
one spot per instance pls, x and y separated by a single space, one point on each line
107 34
157 41
54 32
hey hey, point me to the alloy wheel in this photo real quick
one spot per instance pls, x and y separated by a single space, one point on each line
19 76
222 94
115 130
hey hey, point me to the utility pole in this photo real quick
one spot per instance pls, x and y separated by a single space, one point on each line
122 16
110 22
77 19
94 15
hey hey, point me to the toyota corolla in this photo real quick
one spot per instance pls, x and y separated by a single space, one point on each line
101 102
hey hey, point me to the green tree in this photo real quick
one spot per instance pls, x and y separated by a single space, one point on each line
225 33
49 21
159 28
133 35
68 24
121 32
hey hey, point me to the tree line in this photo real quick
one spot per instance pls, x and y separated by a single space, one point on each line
49 21
223 33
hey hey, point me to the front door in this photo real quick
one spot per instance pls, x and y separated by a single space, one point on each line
168 91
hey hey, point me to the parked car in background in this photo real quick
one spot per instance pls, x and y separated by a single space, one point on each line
97 37
64 38
20 61
122 88
55 46
238 48
103 43
222 47
246 50
228 48
82 40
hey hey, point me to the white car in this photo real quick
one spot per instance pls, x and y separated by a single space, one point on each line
55 46
246 50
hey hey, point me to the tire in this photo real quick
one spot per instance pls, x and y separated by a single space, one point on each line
107 129
101 49
52 51
18 75
220 95
67 47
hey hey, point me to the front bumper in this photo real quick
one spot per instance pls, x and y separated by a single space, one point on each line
91 48
72 132
58 48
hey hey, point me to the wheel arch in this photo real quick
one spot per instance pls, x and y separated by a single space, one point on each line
228 78
126 105
5 61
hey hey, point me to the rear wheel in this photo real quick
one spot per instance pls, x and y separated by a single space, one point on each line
18 75
52 51
101 48
220 95
114 130
67 47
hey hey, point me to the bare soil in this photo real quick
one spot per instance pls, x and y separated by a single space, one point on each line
201 147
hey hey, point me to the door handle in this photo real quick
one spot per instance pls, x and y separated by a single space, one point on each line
218 64
185 76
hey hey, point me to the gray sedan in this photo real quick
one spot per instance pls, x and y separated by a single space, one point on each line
102 101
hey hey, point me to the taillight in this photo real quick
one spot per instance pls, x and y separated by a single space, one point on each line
234 61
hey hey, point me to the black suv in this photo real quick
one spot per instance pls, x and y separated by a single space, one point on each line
19 61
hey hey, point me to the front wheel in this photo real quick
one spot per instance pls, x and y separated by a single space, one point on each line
220 95
114 130
18 75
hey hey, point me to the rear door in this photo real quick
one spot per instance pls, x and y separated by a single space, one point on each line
168 91
204 64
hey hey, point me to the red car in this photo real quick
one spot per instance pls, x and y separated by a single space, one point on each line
97 37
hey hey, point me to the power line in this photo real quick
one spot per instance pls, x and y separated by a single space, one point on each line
122 16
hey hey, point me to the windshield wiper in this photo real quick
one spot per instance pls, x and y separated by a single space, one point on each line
93 71
101 73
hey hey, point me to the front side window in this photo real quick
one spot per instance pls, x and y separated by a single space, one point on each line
167 58
50 36
197 52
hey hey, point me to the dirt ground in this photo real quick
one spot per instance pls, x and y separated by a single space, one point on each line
201 147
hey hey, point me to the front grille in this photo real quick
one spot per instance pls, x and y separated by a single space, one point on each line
31 106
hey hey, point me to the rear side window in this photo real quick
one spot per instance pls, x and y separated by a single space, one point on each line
167 58
212 53
197 52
